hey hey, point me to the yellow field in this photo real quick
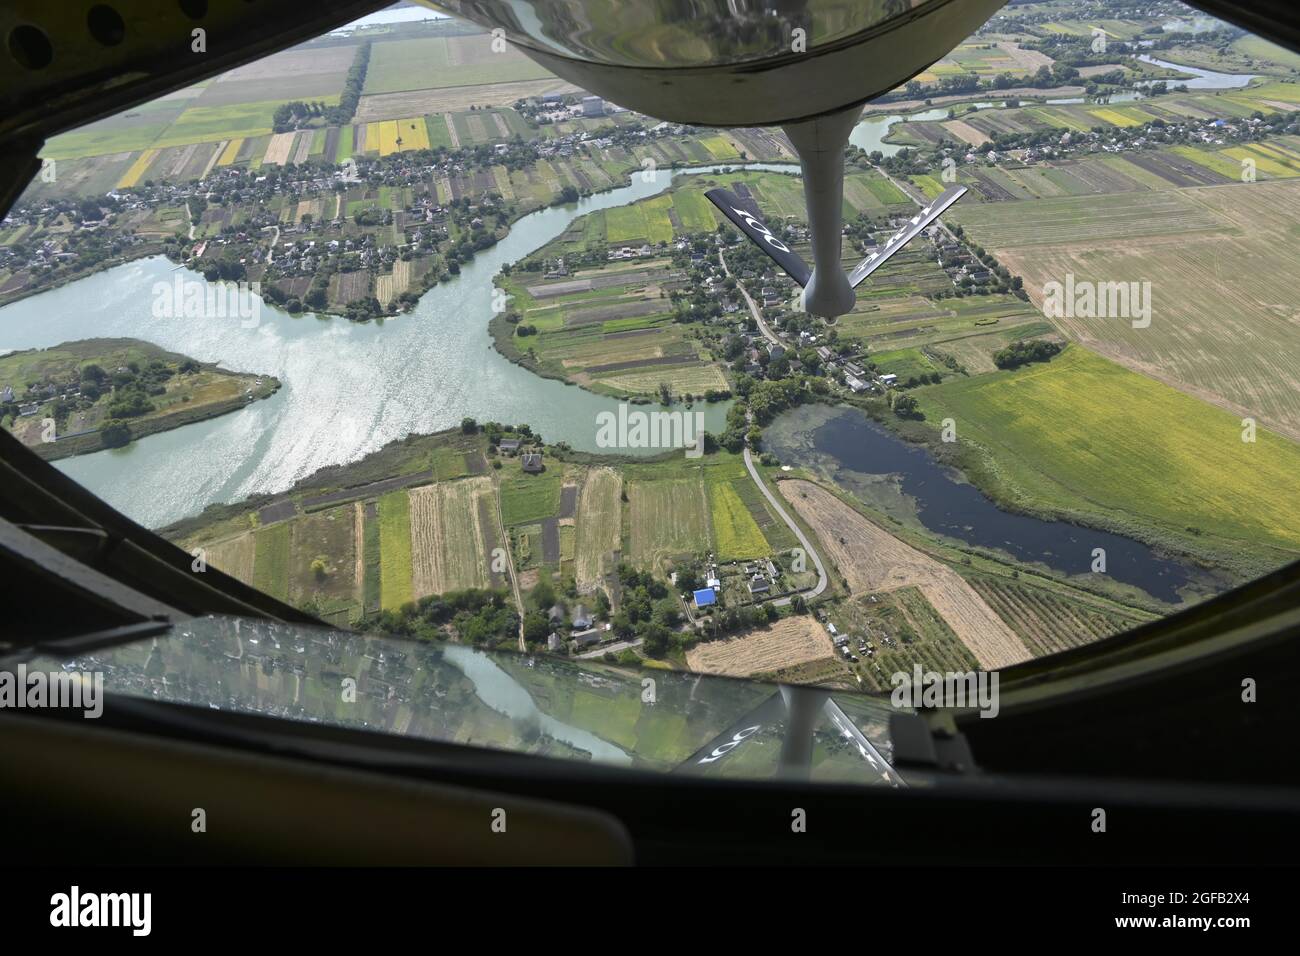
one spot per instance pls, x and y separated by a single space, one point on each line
386 134
1114 118
737 534
136 170
414 133
1273 165
372 138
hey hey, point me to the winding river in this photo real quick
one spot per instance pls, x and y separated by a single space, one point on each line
347 388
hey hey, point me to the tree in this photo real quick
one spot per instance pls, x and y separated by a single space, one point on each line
656 639
115 434
543 593
905 406
536 627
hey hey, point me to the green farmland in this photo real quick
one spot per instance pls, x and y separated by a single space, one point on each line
1084 436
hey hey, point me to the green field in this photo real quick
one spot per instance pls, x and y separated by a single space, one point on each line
667 517
734 528
440 62
395 548
526 498
271 561
644 221
1081 434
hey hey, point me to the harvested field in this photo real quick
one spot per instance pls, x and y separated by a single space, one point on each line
871 559
302 147
696 379
449 545
966 133
347 287
787 643
318 61
600 522
667 517
455 99
234 556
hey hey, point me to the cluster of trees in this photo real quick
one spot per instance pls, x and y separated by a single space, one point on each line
733 619
290 116
478 616
132 386
1058 74
224 267
363 309
648 611
925 378
905 406
342 114
1022 353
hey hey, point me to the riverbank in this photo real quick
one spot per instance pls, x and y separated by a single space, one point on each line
87 443
1222 563
142 252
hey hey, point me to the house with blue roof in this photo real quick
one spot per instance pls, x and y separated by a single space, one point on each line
706 597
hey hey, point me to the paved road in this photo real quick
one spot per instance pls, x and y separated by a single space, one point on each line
809 550
753 308
822 580
616 647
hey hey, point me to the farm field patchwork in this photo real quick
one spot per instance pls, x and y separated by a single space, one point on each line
1219 266
871 559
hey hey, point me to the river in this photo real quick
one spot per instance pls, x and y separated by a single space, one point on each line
347 388
1200 79
871 132
903 480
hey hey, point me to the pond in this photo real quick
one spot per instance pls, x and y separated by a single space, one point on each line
864 458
